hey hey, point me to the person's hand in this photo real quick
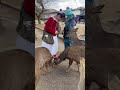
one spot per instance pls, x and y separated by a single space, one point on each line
62 32
56 32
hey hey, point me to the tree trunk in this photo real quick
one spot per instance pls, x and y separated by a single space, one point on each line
42 9
39 18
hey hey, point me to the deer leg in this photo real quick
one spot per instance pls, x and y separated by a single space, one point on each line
70 63
43 72
82 75
44 69
78 66
37 76
46 66
48 63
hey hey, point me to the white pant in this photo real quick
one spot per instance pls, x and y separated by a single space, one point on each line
23 44
52 48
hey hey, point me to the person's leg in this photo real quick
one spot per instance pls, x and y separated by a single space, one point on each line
66 44
70 41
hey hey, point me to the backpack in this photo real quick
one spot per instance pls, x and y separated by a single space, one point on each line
74 21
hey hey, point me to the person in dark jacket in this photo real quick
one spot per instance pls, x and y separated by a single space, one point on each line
69 25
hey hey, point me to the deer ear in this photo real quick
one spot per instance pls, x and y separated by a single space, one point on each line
76 29
99 8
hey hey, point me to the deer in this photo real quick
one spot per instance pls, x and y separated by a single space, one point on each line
81 84
43 60
101 62
99 50
17 70
18 67
96 35
75 40
72 53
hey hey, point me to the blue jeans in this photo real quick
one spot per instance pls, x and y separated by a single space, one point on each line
67 42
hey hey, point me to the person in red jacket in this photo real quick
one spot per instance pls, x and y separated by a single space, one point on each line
26 27
29 7
51 26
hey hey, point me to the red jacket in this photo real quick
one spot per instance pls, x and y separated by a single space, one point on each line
29 7
51 26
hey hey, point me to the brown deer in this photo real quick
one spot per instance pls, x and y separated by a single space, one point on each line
100 63
94 57
73 53
96 36
101 56
81 84
16 70
43 59
18 66
75 40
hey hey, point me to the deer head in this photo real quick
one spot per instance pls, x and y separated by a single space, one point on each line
72 33
98 9
93 10
93 24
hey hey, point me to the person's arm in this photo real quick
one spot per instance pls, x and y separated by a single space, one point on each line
70 17
50 27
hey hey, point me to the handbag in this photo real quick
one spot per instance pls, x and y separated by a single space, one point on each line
48 38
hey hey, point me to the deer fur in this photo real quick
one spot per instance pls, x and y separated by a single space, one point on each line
73 53
96 36
100 63
75 40
43 59
16 70
81 84
100 45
